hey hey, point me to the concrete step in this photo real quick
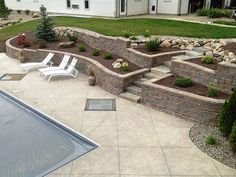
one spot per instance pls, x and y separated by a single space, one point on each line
150 75
160 70
183 57
134 90
139 82
130 97
167 63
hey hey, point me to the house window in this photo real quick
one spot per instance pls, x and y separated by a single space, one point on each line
75 6
86 4
68 3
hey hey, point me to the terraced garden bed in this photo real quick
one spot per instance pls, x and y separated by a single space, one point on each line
213 66
159 51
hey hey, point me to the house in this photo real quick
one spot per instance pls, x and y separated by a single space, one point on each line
117 8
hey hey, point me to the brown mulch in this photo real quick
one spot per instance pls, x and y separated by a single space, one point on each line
231 47
213 66
159 51
196 88
75 50
2 47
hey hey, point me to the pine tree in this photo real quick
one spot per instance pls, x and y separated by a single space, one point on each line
4 11
228 115
44 30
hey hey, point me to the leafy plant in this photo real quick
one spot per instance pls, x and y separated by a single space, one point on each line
19 11
42 44
125 66
4 11
133 38
183 82
147 33
27 11
153 44
207 59
211 140
72 38
214 13
96 53
232 137
202 12
212 92
44 30
20 39
82 48
107 56
127 33
227 115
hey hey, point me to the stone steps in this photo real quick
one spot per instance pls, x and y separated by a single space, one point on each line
134 90
140 82
167 63
130 97
160 70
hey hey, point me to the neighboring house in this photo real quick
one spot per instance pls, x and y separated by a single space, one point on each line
116 8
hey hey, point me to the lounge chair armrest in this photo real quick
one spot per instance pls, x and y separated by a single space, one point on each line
74 72
50 63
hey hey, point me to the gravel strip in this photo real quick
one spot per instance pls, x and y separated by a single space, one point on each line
221 151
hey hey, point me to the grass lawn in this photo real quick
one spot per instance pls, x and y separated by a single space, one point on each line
138 26
226 23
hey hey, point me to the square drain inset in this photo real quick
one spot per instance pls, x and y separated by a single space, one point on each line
12 77
100 105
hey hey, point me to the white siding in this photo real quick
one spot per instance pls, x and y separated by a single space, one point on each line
135 7
184 6
96 7
168 6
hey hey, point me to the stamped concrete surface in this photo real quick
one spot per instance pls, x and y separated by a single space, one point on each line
136 141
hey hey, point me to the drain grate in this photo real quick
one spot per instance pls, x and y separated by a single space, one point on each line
100 105
12 77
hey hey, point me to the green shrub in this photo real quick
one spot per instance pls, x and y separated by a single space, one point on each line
133 38
82 48
96 53
27 12
127 33
183 82
226 13
207 59
18 11
72 37
212 92
211 140
153 44
232 138
107 56
42 44
202 12
214 13
228 115
125 68
147 33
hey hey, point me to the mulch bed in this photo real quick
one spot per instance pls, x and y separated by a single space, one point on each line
213 66
221 151
75 50
231 47
2 47
196 88
159 51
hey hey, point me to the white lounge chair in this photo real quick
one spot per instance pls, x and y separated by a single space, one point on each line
36 65
62 65
70 71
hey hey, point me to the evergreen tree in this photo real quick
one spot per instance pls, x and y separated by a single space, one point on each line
228 115
4 11
232 138
44 30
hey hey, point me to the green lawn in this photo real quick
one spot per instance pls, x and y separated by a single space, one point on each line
226 23
138 26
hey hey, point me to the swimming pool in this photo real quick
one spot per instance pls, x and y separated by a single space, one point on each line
33 144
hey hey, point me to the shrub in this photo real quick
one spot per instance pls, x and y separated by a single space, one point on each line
232 138
27 11
20 39
42 44
82 48
214 13
226 13
183 82
96 53
153 44
212 92
228 115
4 11
207 59
211 140
72 37
202 12
133 38
125 66
19 12
147 33
107 56
127 33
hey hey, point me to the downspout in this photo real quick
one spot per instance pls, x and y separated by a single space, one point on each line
179 8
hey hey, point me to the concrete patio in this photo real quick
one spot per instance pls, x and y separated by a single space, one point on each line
136 141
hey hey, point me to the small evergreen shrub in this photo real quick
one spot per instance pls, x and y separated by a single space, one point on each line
18 11
127 33
72 37
147 33
183 82
96 53
202 12
211 140
107 56
207 59
27 11
153 44
212 92
82 48
133 38
214 13
232 138
226 13
42 44
4 11
227 115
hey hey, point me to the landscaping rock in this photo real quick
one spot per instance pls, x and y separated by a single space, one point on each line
35 15
91 80
66 45
209 53
182 47
166 44
134 46
117 65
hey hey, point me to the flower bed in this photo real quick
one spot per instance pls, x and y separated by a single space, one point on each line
213 66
